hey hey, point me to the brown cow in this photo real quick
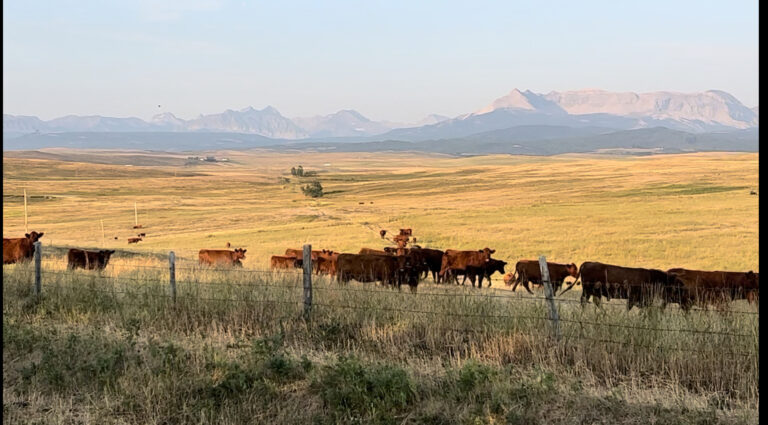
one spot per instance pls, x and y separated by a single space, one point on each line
326 262
434 260
141 235
283 262
134 240
636 285
89 260
299 253
716 287
457 261
382 232
375 251
417 255
390 270
222 256
327 265
530 271
20 249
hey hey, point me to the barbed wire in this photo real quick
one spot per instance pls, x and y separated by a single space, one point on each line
321 288
181 297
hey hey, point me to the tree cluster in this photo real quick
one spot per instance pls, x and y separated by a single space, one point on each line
313 190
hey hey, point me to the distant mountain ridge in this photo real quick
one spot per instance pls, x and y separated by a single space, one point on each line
712 110
521 122
712 106
267 122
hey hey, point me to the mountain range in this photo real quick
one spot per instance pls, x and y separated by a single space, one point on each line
266 122
519 116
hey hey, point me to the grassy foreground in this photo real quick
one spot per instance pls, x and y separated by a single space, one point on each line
112 347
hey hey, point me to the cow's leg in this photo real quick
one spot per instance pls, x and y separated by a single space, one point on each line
525 285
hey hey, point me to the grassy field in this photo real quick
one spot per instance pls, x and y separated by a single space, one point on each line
692 211
111 347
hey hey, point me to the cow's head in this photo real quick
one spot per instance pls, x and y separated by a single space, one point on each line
239 254
751 276
487 252
572 269
34 236
508 278
496 266
104 255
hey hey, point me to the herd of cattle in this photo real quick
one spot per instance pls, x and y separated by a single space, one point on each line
639 286
391 266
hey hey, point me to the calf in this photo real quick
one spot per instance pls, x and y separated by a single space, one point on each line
283 262
485 270
530 271
89 260
20 249
221 256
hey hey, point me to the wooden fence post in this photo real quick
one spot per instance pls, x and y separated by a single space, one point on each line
307 263
38 267
172 265
26 228
553 314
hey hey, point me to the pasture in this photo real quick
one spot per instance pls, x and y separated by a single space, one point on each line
109 346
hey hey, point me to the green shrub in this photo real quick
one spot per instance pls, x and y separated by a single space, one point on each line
355 390
313 190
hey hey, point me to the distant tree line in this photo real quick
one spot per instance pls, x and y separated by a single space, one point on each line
299 172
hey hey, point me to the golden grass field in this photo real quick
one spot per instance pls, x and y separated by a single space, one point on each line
692 211
110 347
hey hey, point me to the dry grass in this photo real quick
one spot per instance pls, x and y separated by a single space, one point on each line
111 347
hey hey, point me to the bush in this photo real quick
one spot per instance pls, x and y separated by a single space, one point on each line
313 190
355 390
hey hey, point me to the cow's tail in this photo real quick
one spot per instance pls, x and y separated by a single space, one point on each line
512 278
576 281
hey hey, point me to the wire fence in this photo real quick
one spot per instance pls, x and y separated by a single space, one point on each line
485 311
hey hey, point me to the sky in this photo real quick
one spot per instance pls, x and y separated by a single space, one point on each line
389 60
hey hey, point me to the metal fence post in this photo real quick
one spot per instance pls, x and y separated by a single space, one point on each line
172 265
553 314
307 264
38 268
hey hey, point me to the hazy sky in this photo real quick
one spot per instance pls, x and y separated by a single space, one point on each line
389 60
